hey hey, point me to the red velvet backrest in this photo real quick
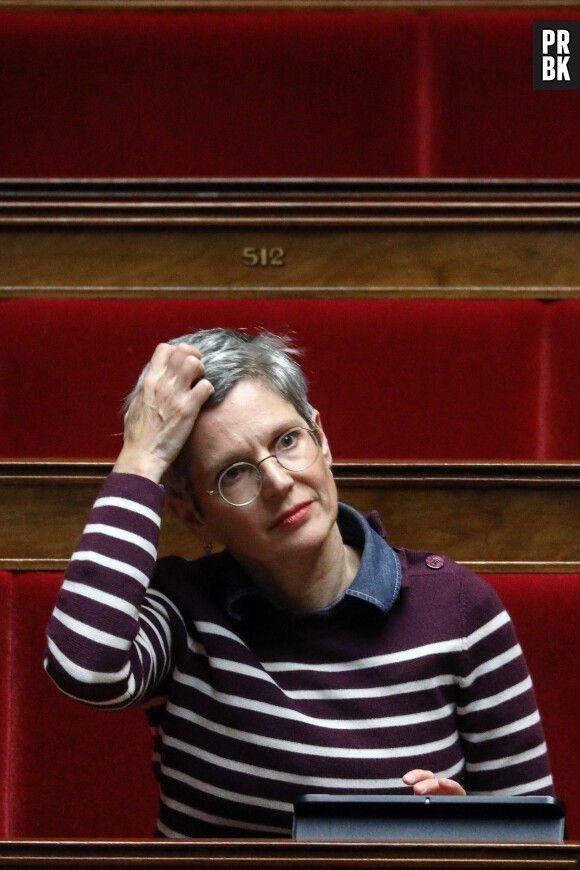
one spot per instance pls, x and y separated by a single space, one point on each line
484 118
229 94
392 378
74 771
562 394
316 94
545 610
5 697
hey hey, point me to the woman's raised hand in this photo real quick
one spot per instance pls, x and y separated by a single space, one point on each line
164 410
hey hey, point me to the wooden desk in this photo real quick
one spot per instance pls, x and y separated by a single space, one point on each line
271 854
494 517
293 238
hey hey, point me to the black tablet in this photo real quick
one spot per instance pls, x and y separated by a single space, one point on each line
433 819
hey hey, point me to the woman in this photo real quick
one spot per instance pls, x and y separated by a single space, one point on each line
307 655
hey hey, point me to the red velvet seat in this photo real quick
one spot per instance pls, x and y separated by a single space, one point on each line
229 94
393 379
485 120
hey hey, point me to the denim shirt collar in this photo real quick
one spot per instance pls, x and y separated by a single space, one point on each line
377 581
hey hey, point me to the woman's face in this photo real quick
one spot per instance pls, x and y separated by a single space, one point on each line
293 512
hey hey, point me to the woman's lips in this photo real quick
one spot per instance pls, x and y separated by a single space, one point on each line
294 515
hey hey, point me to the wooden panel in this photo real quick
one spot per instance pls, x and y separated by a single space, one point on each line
206 854
271 239
494 517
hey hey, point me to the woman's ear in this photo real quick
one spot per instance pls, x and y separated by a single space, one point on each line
189 514
324 445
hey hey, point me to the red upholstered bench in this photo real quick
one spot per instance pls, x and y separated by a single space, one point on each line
563 380
5 698
483 118
73 771
70 771
545 610
393 379
205 95
274 94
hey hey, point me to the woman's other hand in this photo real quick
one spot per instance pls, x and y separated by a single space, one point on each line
424 782
163 412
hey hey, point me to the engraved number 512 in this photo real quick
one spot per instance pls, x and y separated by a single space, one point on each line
264 256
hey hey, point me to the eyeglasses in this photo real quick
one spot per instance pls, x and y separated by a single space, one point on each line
240 484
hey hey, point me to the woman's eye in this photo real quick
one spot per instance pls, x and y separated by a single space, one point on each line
233 475
289 440
236 474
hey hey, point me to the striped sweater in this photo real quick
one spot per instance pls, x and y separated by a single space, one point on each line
250 709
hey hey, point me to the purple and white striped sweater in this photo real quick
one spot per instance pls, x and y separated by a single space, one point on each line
248 714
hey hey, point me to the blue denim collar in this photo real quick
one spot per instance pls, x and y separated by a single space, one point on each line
377 581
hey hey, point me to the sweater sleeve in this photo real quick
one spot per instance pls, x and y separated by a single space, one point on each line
109 636
499 723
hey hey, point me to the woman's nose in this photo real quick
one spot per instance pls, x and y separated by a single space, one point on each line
275 479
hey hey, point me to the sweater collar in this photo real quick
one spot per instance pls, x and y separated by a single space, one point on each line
377 581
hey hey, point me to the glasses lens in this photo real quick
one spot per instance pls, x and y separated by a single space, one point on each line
240 483
297 449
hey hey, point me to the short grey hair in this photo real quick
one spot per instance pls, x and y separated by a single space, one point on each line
230 356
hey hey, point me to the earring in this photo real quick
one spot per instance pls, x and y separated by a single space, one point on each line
207 547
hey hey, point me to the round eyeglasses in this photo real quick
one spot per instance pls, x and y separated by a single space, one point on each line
240 484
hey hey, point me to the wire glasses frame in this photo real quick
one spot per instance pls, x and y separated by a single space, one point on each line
241 483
